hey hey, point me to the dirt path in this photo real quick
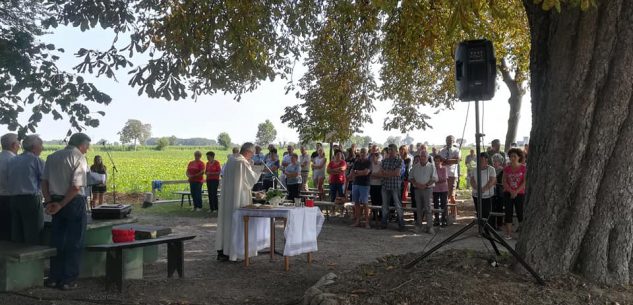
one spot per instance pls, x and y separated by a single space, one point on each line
367 261
207 281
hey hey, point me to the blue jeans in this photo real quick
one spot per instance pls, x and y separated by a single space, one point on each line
336 188
360 193
388 196
68 231
196 194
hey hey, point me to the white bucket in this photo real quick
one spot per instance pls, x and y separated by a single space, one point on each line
149 197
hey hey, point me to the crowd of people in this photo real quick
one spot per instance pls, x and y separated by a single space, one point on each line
390 176
29 187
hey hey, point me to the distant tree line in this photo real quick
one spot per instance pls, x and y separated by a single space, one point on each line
184 142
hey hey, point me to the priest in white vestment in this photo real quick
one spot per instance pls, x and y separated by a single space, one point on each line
238 181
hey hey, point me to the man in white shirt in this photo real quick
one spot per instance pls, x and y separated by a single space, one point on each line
10 146
451 155
423 176
63 186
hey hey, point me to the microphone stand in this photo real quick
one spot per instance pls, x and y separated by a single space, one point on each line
114 171
274 176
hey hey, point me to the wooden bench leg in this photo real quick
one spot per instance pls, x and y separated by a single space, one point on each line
189 199
114 268
182 200
286 263
175 258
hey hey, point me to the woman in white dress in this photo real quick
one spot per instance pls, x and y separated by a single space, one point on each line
318 171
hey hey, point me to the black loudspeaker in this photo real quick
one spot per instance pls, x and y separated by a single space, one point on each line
475 70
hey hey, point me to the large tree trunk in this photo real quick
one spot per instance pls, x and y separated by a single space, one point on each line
517 91
580 179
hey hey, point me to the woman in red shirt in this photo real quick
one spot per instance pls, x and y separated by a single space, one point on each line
195 173
336 170
212 171
514 188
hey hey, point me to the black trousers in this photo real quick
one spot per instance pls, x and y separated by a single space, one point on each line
5 218
486 207
293 191
375 193
440 199
212 188
511 204
27 219
269 184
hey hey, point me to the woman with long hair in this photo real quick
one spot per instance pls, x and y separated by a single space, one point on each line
99 189
318 171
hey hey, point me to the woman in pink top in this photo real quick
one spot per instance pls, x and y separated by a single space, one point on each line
440 191
514 188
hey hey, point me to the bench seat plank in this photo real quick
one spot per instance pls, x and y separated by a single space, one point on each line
114 256
16 252
140 243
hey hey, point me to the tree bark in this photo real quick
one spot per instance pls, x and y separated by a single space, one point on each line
517 91
579 203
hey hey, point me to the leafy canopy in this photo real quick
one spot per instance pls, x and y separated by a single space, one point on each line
135 132
356 53
266 133
225 140
30 78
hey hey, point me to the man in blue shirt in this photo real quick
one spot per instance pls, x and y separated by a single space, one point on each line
25 170
10 147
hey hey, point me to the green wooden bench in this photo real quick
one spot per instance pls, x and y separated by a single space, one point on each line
22 265
150 253
114 256
188 195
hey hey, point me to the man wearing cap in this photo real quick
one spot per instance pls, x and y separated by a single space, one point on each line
10 146
63 189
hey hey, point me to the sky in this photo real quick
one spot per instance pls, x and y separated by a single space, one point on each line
213 114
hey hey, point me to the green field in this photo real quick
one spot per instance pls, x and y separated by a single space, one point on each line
137 169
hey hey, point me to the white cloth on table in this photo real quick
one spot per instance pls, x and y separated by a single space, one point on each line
303 225
302 228
258 236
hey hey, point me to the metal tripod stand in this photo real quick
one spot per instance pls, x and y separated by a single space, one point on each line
275 177
486 231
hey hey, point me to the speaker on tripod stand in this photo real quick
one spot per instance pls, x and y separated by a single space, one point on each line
475 70
475 74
